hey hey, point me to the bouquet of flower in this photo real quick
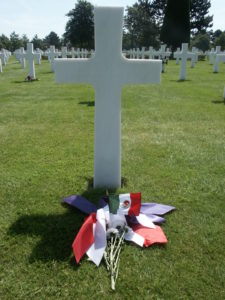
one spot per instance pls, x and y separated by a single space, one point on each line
118 218
29 78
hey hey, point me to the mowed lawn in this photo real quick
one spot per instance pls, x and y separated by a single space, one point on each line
173 151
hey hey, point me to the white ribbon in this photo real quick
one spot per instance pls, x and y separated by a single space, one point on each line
145 221
97 249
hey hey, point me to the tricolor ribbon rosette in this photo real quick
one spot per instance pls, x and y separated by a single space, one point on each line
139 221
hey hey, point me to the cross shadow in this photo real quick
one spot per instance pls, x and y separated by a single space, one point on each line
18 81
47 72
180 80
57 231
88 103
219 101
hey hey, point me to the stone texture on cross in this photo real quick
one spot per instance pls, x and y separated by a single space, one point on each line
38 57
3 57
30 56
64 52
108 71
143 52
211 56
30 60
183 55
52 56
177 58
151 53
163 53
22 58
73 52
219 58
0 66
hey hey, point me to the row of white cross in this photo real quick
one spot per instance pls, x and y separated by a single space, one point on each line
162 53
108 70
4 57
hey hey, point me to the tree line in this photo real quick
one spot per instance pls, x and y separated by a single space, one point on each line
146 23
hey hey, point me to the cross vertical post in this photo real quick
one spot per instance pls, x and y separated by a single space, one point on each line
30 60
108 71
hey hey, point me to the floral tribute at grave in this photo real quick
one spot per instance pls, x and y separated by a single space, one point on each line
30 79
118 218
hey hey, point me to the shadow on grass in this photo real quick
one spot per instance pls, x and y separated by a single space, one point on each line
47 72
219 101
57 231
88 103
18 81
179 80
25 82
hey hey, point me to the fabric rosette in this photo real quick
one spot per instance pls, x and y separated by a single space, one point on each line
139 221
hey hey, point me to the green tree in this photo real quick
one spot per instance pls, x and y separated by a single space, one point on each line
52 39
80 27
176 23
200 20
220 41
201 41
5 42
15 41
141 25
38 43
216 34
159 7
24 41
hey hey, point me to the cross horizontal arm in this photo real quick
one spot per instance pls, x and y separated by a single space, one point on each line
74 70
220 57
141 72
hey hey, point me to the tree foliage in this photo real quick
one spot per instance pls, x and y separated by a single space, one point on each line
15 41
4 42
220 41
201 41
159 7
200 21
80 27
37 43
176 23
141 25
52 39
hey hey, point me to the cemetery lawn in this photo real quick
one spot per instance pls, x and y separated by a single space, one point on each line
173 151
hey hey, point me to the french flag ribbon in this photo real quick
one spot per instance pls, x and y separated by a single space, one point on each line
139 219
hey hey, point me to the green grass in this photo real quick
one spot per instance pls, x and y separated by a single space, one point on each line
173 151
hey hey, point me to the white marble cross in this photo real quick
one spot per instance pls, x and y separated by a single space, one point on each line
22 58
219 58
108 71
151 53
3 57
78 53
183 55
177 56
57 54
193 59
163 53
29 55
52 55
73 52
0 66
38 57
211 56
143 52
64 52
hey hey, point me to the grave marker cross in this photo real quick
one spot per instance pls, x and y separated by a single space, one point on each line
52 55
183 55
30 55
108 71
